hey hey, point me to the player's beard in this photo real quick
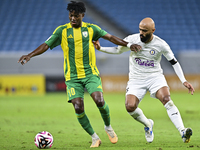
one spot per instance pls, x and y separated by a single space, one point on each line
145 38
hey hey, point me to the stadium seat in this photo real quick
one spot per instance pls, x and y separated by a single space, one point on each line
26 24
175 20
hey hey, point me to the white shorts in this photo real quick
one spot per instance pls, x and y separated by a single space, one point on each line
139 87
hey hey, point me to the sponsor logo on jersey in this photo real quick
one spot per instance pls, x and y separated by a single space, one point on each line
99 87
152 52
144 63
85 33
70 36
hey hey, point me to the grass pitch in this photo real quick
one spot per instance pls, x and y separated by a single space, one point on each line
22 117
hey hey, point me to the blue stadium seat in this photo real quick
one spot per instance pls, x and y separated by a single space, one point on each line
24 25
177 21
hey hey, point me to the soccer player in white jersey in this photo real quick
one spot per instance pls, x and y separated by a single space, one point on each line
146 74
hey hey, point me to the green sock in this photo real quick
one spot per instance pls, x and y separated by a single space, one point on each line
105 114
85 123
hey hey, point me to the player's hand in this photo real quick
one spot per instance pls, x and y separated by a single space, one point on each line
24 59
135 47
96 44
189 86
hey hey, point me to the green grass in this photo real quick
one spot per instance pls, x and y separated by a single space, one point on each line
22 117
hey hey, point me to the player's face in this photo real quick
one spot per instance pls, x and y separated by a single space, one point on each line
76 19
145 34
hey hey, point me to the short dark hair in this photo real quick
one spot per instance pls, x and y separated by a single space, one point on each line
78 7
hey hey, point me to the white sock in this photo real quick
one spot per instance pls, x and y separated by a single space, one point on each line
174 115
140 117
95 136
108 127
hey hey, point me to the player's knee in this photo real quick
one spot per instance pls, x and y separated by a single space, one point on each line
130 107
98 98
79 109
78 105
166 99
100 102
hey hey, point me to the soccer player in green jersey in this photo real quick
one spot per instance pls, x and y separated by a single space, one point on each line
76 39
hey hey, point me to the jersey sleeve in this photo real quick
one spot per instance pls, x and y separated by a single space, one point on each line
98 32
55 39
167 52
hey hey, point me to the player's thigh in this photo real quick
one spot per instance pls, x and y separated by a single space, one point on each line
156 83
74 90
93 84
137 88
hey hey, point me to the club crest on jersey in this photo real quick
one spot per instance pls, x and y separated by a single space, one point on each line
152 52
85 33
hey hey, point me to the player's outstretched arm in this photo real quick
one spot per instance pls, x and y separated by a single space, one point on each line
41 49
118 41
110 50
179 72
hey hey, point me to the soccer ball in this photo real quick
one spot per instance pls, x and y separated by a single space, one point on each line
43 140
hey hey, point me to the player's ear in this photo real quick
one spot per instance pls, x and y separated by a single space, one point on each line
153 30
83 15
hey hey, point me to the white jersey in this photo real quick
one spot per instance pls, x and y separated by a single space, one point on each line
147 61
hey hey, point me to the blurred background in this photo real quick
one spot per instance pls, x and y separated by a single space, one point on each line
25 24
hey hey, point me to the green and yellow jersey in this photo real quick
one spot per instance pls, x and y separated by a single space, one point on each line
78 49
